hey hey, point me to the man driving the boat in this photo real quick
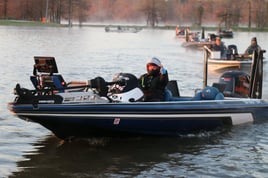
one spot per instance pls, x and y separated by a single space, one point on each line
253 47
219 46
153 83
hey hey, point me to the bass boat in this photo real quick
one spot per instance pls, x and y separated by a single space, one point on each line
225 33
233 60
97 108
196 42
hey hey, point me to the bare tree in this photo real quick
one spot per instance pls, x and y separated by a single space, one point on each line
26 10
200 13
5 8
229 15
70 13
81 8
55 11
249 13
152 18
260 13
155 10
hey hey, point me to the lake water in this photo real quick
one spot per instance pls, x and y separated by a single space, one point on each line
29 150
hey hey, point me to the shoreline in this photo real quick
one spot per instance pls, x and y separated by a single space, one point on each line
163 27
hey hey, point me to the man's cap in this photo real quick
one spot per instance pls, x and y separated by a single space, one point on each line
218 38
155 61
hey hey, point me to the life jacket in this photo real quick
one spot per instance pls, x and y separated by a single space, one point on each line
152 87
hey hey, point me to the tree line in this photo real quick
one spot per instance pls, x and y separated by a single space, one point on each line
227 13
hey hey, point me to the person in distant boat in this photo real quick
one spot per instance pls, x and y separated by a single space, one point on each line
253 47
187 31
154 82
219 46
177 30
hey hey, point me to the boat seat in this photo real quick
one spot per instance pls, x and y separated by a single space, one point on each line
208 93
173 87
48 82
172 92
34 81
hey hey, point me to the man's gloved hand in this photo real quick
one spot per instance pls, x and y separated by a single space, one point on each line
163 70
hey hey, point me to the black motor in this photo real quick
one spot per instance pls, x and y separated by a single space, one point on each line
130 82
236 84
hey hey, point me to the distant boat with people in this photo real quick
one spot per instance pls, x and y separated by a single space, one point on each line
180 33
197 45
232 60
239 62
194 41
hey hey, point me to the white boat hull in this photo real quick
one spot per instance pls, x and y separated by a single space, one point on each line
218 64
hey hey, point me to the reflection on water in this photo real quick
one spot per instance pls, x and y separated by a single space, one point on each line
107 157
234 152
30 150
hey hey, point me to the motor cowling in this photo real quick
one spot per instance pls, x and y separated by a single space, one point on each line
127 92
236 84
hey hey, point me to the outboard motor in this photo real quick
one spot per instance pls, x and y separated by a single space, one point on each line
127 92
237 84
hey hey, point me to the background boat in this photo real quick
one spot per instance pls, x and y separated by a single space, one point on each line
236 61
233 61
225 33
219 64
122 29
196 45
197 40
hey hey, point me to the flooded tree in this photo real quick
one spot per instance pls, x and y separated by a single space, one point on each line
77 9
155 10
81 8
26 10
230 14
261 13
70 12
200 13
55 10
5 3
249 14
